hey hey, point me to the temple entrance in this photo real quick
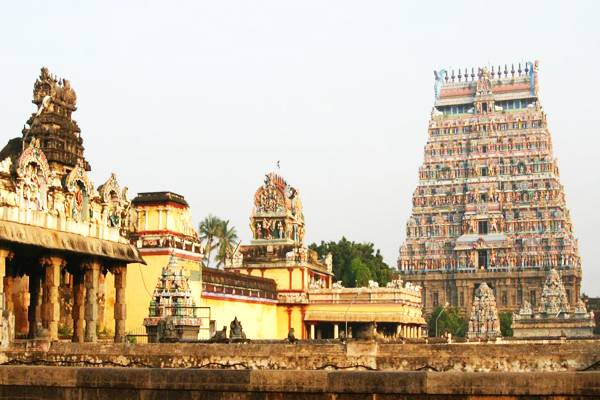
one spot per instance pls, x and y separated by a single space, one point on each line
482 258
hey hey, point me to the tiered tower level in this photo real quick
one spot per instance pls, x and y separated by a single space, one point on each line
489 206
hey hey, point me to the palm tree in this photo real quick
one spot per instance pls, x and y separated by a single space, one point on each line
209 230
227 237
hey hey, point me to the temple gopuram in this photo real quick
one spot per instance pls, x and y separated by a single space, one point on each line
489 206
60 237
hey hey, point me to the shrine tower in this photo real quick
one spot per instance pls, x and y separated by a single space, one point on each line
489 206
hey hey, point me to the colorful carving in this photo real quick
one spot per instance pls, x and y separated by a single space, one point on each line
172 307
33 175
554 296
277 211
483 320
554 316
489 195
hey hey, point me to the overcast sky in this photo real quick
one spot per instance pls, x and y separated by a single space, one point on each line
202 98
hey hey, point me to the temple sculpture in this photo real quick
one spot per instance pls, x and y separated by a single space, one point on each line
60 236
172 313
555 316
489 206
483 321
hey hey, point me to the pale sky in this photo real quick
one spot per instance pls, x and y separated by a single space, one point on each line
203 97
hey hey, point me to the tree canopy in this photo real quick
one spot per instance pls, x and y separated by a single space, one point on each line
449 320
216 233
506 324
355 263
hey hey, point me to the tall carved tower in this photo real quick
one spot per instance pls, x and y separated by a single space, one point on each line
489 206
58 134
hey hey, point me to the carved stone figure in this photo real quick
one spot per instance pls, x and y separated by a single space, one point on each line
483 320
236 332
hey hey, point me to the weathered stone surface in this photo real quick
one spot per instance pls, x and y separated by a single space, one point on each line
555 356
135 383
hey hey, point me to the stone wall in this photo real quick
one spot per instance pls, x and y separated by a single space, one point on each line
549 356
30 382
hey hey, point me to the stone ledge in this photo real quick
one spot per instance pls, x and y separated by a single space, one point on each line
99 380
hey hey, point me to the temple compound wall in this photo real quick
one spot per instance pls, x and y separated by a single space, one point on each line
304 370
489 206
60 236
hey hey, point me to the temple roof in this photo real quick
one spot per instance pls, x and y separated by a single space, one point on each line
503 83
159 197
66 241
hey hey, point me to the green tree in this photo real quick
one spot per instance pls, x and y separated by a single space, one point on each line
362 274
209 230
449 320
344 252
506 324
227 242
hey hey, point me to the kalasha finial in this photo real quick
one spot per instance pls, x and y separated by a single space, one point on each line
472 73
459 75
526 68
520 70
493 73
505 70
453 76
512 70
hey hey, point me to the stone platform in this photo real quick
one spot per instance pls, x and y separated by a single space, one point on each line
517 356
305 370
39 382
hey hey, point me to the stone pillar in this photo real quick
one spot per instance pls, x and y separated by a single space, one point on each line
120 311
6 315
51 267
336 331
398 330
312 331
92 270
101 301
35 300
4 255
9 285
78 310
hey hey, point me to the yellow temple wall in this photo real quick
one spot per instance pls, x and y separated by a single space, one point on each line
373 309
296 320
282 277
259 319
156 218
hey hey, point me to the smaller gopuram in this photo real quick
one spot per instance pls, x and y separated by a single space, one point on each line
307 300
555 317
173 312
60 237
483 321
